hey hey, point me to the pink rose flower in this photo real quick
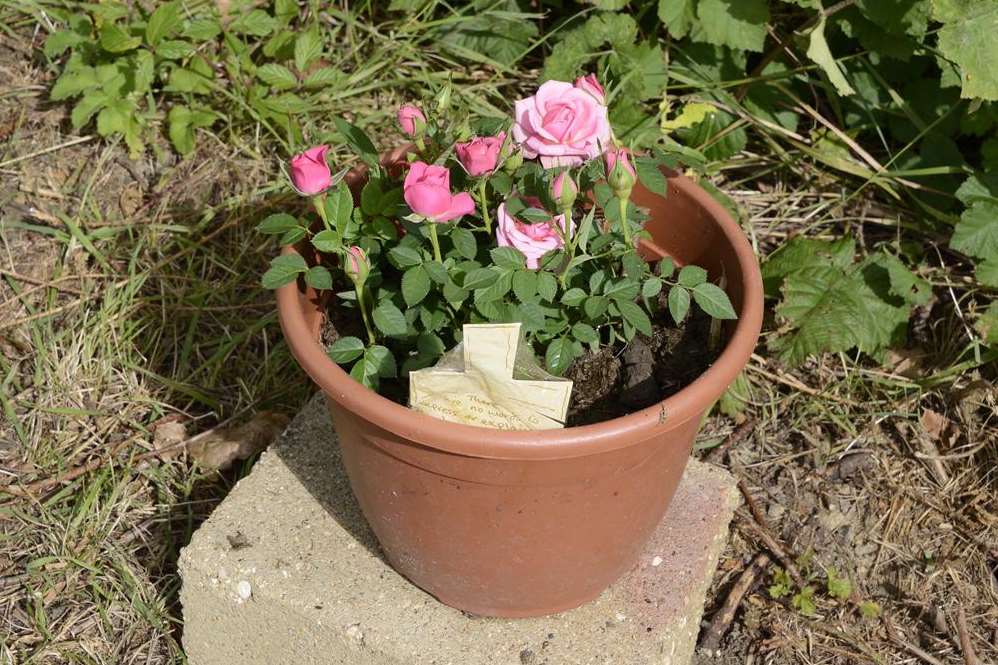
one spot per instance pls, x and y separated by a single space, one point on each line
563 190
480 155
427 191
561 124
411 119
309 171
357 265
591 84
533 240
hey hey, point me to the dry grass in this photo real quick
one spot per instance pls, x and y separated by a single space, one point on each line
128 299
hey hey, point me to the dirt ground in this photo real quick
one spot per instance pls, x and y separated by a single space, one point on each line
128 301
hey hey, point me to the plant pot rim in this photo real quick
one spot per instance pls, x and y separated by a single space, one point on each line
482 442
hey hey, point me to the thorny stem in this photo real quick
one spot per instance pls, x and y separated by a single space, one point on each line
569 245
435 242
484 205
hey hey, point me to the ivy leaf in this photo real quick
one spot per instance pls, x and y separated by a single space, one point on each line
283 269
679 303
389 319
345 349
415 285
713 300
559 356
738 24
967 38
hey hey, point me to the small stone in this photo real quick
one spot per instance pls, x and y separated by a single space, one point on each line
527 657
657 561
355 633
244 590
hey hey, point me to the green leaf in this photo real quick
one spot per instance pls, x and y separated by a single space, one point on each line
180 130
595 306
525 285
651 287
162 22
987 325
677 16
339 206
203 29
365 373
405 256
666 267
490 32
464 242
358 141
585 333
713 300
89 104
257 23
415 285
496 290
114 39
277 223
73 82
531 315
327 241
987 272
436 272
389 320
370 198
651 175
635 315
838 587
976 234
690 276
547 286
801 252
573 297
559 356
283 269
967 38
454 294
345 349
57 42
277 76
819 52
144 72
480 278
308 47
319 278
508 257
324 77
739 24
381 362
679 303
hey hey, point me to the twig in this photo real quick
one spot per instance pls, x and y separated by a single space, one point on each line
770 542
45 151
969 656
32 490
737 435
907 646
720 623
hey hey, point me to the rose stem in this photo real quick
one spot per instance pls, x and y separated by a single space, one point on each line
623 222
359 290
435 242
319 203
485 208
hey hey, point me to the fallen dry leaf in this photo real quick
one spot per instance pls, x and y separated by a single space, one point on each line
219 449
167 438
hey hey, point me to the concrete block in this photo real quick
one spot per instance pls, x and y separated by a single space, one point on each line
286 571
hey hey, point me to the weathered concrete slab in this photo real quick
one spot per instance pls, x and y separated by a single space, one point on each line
287 571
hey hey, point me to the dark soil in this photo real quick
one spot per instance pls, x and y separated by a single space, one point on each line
609 383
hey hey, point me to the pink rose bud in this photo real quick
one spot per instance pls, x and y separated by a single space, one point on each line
309 171
411 120
533 240
563 190
561 124
427 191
480 155
619 171
356 265
591 84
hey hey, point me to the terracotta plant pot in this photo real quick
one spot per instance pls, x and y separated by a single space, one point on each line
527 523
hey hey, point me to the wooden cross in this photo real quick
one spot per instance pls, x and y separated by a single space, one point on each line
482 391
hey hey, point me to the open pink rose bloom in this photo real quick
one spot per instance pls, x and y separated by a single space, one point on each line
562 124
480 155
427 191
533 240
